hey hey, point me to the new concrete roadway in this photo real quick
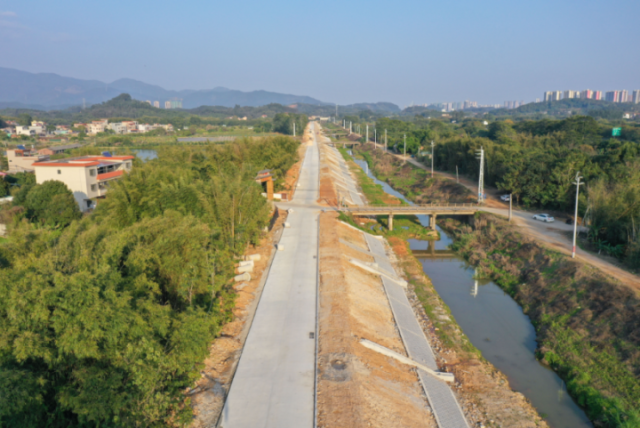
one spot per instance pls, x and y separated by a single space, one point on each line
274 384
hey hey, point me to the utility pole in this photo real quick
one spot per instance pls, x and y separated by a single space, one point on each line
367 139
350 127
385 140
405 147
481 178
344 124
375 139
457 179
294 129
510 209
432 154
575 218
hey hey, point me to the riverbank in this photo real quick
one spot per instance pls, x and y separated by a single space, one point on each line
483 390
586 323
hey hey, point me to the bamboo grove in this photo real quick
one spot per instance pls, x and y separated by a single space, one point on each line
105 322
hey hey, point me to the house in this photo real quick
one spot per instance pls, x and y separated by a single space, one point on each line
118 128
58 149
88 177
22 159
36 128
96 126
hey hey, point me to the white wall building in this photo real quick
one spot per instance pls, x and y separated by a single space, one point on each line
87 177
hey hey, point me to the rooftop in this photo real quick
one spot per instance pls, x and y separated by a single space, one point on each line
84 161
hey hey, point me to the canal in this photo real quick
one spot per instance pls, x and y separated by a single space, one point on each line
495 324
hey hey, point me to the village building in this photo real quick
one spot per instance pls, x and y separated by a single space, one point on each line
88 177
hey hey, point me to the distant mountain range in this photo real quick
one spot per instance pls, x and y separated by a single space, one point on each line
48 91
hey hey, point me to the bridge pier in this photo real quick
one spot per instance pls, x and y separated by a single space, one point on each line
390 222
432 221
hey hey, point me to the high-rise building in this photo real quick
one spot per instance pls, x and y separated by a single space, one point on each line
148 102
635 98
597 95
569 94
547 96
624 96
167 104
156 104
587 94
612 96
556 96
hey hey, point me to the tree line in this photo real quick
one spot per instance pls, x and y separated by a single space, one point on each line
105 320
537 162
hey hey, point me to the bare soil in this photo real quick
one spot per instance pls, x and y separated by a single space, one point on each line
356 386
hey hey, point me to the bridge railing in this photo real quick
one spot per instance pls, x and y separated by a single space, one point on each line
378 207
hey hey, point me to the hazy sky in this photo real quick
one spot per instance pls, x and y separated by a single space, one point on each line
337 51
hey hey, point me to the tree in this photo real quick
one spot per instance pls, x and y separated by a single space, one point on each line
4 187
51 204
25 119
3 124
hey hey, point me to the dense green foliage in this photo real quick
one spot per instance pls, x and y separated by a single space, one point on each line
50 204
106 322
284 123
537 161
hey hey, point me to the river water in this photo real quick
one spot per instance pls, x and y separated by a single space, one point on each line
495 324
146 155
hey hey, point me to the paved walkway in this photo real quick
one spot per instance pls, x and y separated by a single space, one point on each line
274 384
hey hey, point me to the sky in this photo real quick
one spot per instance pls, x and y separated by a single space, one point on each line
405 52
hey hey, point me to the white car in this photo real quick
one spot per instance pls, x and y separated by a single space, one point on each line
544 217
505 198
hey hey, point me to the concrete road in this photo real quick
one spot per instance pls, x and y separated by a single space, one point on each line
274 384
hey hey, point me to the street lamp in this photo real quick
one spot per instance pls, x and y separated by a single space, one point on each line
575 218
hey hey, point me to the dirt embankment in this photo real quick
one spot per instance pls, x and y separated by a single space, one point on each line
348 312
415 182
356 386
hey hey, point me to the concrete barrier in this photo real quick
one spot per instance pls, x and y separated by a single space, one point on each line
254 257
244 269
287 224
280 247
443 376
246 263
242 277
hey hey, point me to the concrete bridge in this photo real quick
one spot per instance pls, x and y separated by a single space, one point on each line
432 211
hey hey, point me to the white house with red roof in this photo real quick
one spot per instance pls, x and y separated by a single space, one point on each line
88 177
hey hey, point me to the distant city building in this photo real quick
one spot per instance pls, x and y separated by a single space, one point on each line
597 95
172 104
635 98
148 102
587 94
156 104
612 96
624 96
569 95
